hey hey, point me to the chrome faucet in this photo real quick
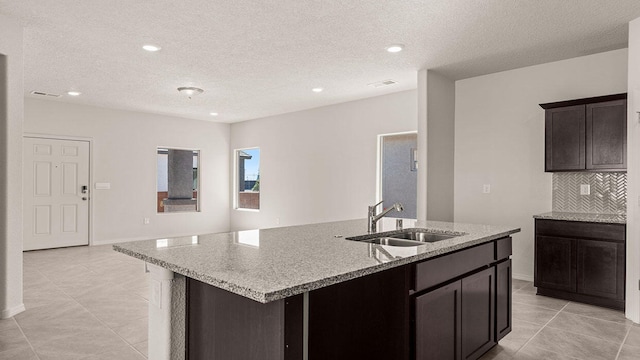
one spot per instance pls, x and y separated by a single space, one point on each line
373 217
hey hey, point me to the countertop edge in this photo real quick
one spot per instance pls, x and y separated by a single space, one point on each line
586 217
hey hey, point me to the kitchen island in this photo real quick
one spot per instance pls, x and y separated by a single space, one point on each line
306 292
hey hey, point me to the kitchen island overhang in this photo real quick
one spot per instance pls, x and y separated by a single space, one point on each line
298 267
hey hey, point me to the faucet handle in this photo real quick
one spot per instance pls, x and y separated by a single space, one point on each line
381 201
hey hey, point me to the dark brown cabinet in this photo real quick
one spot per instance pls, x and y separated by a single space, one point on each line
441 306
503 299
463 319
581 261
586 134
555 263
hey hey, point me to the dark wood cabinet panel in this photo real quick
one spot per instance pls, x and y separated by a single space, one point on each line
600 269
478 309
565 138
606 131
555 263
223 325
503 299
581 261
363 318
586 134
438 323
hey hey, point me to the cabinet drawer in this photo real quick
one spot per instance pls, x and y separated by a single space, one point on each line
581 230
503 248
435 271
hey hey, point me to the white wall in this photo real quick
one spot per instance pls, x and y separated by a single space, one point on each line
633 175
320 164
124 154
499 131
436 138
11 117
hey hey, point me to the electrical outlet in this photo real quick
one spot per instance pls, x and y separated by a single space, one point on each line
486 188
146 221
585 189
277 221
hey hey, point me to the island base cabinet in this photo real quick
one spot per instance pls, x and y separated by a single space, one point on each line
503 299
222 325
438 327
457 321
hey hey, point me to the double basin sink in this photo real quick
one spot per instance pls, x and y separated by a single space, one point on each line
411 237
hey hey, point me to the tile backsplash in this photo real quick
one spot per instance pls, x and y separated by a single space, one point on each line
608 192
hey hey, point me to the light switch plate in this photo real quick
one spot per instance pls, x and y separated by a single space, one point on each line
103 186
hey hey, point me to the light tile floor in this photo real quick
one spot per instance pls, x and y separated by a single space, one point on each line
553 329
82 303
91 303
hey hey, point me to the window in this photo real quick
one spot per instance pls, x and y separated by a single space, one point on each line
177 184
248 179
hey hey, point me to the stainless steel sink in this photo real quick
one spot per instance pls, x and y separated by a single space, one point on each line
423 236
392 241
409 237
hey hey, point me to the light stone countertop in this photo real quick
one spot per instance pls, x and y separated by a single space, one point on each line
584 217
271 264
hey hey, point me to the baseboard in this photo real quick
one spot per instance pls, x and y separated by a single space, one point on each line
7 313
522 277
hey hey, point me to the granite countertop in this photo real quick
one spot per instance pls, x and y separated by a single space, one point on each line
272 264
584 217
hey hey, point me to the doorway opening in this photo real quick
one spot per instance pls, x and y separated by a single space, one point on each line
397 179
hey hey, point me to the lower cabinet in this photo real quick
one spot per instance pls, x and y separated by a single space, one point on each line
457 321
503 299
581 261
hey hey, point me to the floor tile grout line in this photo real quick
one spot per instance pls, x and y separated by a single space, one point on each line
27 339
623 341
540 330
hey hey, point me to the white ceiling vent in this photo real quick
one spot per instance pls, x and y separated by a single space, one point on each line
383 83
41 93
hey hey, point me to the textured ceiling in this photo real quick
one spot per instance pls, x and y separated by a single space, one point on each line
261 58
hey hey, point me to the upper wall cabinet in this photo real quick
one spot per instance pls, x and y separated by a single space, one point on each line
586 134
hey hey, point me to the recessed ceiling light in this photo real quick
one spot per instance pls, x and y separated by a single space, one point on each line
395 48
317 90
151 48
73 93
213 113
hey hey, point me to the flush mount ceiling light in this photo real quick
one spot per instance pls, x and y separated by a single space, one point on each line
213 113
190 91
395 48
74 93
317 90
151 48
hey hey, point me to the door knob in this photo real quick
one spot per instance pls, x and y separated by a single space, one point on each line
84 189
84 198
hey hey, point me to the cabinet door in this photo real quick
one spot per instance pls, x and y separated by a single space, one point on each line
478 309
438 323
601 268
606 143
555 263
565 138
503 299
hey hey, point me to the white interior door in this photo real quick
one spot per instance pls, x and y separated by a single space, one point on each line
56 193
